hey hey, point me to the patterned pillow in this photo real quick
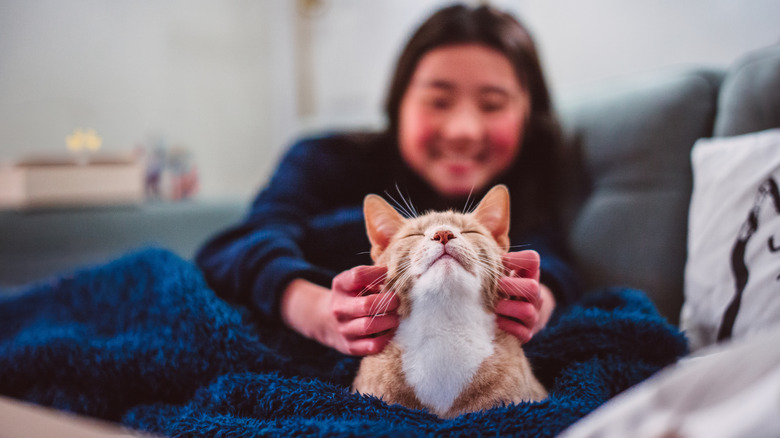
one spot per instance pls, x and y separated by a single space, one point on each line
732 275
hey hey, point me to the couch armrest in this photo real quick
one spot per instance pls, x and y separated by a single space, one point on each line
750 97
36 244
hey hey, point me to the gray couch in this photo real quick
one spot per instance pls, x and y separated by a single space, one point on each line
629 181
630 173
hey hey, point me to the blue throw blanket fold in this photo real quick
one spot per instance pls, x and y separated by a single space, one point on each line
144 341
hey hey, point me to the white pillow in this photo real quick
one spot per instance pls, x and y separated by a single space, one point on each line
732 276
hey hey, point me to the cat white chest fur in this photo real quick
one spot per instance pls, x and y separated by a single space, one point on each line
447 335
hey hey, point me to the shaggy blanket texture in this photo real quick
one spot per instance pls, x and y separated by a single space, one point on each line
143 341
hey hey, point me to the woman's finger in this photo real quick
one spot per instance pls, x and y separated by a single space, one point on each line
368 326
523 264
524 289
519 331
360 280
518 311
348 307
366 346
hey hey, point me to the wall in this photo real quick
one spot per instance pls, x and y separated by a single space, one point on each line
210 75
580 41
236 80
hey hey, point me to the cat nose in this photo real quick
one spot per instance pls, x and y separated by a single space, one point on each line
443 236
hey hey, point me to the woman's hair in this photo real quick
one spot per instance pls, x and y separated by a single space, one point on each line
532 179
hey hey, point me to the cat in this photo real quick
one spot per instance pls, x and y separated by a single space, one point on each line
448 355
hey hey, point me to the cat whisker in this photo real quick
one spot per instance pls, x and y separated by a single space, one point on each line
407 200
523 245
381 307
407 214
384 304
468 208
525 258
489 266
492 270
407 208
388 281
513 265
379 280
401 277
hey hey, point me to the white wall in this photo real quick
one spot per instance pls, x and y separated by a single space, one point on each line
580 41
211 75
585 41
220 76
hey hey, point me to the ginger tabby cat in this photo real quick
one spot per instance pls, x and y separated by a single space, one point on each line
448 355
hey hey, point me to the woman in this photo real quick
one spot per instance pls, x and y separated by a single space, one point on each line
468 108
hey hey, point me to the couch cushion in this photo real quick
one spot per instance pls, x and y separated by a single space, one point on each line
750 96
629 178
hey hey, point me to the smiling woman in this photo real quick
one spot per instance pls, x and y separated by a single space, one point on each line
462 118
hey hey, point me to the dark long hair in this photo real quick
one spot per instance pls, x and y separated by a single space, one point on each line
532 179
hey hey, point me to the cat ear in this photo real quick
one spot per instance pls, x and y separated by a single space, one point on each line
382 223
493 213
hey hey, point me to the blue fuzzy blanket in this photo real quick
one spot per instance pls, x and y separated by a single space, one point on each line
143 341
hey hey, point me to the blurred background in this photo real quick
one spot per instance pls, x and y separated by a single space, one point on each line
234 82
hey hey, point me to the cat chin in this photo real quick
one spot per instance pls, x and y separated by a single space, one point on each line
446 276
447 266
439 258
446 262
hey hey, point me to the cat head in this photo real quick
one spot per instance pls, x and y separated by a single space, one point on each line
467 243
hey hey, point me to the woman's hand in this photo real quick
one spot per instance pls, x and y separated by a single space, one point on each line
354 317
528 303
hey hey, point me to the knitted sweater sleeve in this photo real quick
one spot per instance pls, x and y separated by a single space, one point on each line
253 262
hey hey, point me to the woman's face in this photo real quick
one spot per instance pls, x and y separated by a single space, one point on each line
462 118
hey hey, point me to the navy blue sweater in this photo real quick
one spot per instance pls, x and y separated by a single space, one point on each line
308 223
